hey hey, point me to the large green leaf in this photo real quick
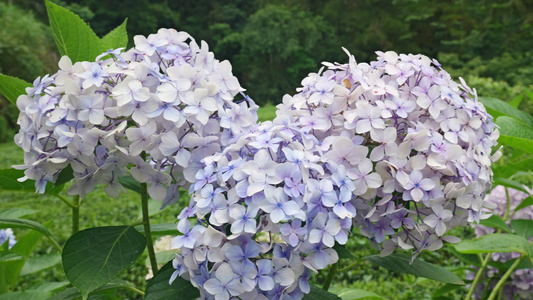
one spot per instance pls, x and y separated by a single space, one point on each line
72 35
497 242
498 108
317 293
353 294
523 227
40 263
497 222
116 38
12 87
94 256
515 133
159 289
402 263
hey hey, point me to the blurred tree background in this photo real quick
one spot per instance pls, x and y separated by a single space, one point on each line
273 44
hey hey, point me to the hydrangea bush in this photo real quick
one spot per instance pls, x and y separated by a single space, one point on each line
394 149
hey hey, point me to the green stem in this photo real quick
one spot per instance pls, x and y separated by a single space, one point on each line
76 214
146 223
350 266
136 290
329 279
65 200
502 280
55 244
478 276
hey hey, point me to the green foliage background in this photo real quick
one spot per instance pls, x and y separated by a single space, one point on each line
273 44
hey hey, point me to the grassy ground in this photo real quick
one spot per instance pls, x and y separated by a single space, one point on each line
99 210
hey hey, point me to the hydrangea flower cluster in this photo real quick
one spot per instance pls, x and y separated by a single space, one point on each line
416 144
520 284
167 99
6 235
269 210
394 147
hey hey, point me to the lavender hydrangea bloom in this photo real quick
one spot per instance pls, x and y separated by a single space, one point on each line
167 97
428 137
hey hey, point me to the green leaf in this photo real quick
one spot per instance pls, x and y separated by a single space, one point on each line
342 251
130 183
317 293
94 256
49 286
158 287
402 263
162 257
353 294
16 212
64 176
509 183
23 223
445 289
497 222
12 87
116 38
9 272
26 295
9 256
72 35
516 101
470 259
497 242
160 229
515 133
98 294
8 181
154 207
510 169
497 108
40 263
525 203
523 227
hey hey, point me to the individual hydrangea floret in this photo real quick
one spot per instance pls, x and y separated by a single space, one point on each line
153 112
7 237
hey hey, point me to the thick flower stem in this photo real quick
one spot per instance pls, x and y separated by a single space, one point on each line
329 279
478 276
76 214
504 278
146 223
